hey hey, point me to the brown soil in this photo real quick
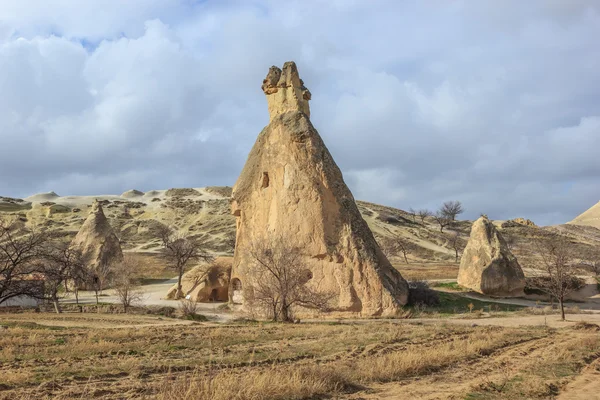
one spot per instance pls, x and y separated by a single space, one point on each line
150 357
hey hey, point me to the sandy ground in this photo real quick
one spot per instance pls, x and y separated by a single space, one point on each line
153 295
501 366
585 386
101 321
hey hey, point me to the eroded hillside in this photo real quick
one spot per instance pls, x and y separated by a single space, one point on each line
205 213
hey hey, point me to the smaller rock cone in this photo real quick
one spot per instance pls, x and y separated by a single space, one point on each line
206 283
487 265
98 243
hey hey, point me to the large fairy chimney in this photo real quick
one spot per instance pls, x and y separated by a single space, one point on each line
98 243
291 188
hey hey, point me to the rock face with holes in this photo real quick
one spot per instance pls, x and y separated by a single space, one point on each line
487 265
206 283
291 188
98 243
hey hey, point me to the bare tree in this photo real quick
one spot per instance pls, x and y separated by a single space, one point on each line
442 220
21 250
591 261
280 281
424 213
557 276
392 246
593 266
180 250
126 283
413 213
451 209
55 269
456 244
62 264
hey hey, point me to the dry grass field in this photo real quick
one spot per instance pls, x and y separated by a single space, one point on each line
126 356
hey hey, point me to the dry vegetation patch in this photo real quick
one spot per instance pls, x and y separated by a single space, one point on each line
243 361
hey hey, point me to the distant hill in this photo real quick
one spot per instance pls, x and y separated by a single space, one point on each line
206 214
591 217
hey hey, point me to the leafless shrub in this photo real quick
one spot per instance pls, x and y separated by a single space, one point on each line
126 283
60 264
424 213
188 307
557 275
413 214
392 246
21 251
180 250
451 209
280 282
420 294
442 220
457 244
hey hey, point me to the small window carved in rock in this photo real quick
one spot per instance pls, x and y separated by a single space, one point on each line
265 180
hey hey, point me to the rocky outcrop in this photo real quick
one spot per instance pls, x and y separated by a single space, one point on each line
291 188
206 282
98 243
517 222
487 266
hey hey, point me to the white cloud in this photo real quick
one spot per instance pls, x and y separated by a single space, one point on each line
419 102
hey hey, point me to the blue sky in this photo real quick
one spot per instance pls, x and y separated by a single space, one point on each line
495 104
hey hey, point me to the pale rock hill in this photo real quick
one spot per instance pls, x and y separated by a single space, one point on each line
591 217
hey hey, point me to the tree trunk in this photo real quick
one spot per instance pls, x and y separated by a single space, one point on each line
405 259
562 308
56 306
97 300
179 289
76 291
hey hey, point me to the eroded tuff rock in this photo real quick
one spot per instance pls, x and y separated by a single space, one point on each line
285 91
291 187
487 265
206 283
98 243
511 223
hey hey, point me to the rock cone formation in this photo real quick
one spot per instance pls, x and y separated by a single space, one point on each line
487 265
591 217
206 283
291 188
98 243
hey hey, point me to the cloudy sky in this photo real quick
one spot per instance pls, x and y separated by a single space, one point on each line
493 103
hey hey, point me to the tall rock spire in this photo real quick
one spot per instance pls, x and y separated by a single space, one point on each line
285 90
98 243
292 188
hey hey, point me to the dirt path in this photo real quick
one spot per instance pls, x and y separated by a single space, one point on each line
551 321
585 386
104 321
154 296
489 377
